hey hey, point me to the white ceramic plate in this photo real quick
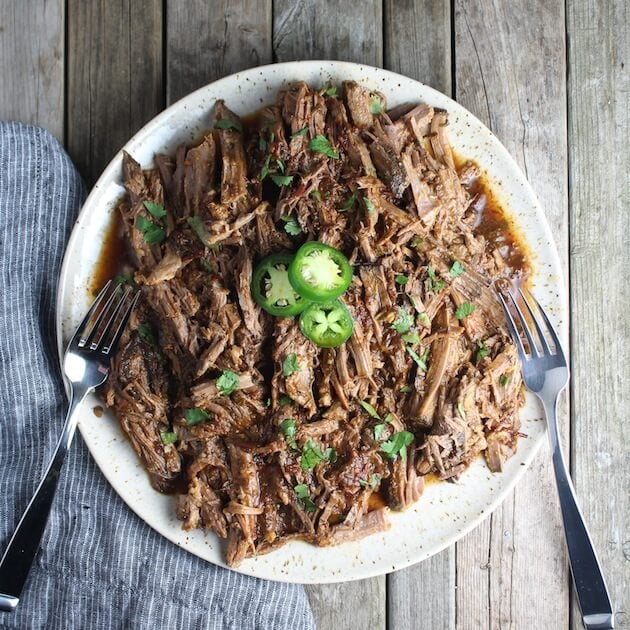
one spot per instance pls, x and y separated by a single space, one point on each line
446 511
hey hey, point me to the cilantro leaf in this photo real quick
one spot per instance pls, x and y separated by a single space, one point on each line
206 264
504 380
434 283
227 382
316 195
405 389
373 482
331 91
302 493
465 309
281 180
369 205
417 358
460 410
456 269
262 143
291 226
155 209
312 455
411 337
122 278
321 144
397 445
152 233
379 429
266 169
195 416
376 107
349 203
197 225
147 333
289 429
482 352
371 411
403 322
401 279
290 365
168 437
425 320
301 132
284 400
229 124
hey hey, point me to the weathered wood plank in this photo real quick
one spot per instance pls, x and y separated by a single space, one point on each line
510 72
347 31
114 76
350 31
209 40
31 63
599 119
417 43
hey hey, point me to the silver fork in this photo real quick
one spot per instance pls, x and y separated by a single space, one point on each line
546 374
86 366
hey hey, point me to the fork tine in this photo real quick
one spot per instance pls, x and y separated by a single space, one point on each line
114 309
550 328
78 336
512 327
121 326
539 330
528 333
88 339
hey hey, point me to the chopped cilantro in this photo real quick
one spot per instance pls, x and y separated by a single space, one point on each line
435 284
372 483
504 380
197 225
291 226
379 429
152 233
456 269
262 143
281 180
288 429
207 265
155 209
266 169
147 333
227 382
371 411
417 358
401 279
463 310
397 445
331 91
482 352
168 437
369 205
376 107
290 365
349 203
316 195
195 416
312 455
284 400
122 278
321 144
229 124
405 389
411 337
403 322
301 492
425 320
301 132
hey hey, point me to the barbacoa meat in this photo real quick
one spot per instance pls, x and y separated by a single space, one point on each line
300 444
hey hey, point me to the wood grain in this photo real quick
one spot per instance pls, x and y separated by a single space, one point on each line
209 40
350 31
319 29
32 63
510 72
417 43
114 76
599 119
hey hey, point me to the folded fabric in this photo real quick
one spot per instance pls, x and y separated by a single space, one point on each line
99 565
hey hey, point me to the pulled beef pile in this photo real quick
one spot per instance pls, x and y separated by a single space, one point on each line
308 442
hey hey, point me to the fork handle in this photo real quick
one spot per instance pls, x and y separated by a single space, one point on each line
19 555
592 594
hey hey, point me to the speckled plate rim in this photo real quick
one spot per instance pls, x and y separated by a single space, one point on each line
446 512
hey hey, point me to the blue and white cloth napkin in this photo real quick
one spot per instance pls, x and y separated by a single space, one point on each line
99 565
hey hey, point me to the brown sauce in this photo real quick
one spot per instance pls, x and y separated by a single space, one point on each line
113 257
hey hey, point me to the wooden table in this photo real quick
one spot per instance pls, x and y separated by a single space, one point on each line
549 79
